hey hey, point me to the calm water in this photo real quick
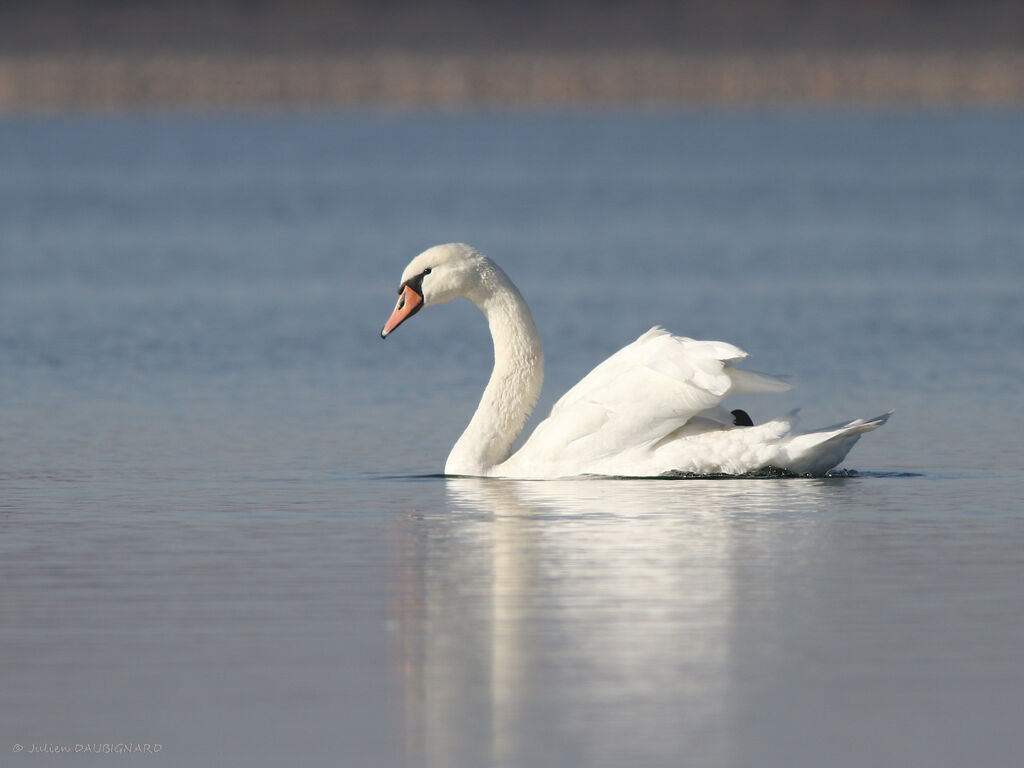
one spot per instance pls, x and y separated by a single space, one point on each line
218 529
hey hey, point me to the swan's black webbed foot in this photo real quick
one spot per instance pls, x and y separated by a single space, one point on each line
741 418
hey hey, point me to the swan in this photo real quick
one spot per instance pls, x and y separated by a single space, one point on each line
651 409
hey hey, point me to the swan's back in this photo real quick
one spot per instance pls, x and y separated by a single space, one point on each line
621 413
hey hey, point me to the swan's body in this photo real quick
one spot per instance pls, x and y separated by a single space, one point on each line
650 409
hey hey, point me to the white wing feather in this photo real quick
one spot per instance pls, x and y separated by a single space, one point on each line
637 397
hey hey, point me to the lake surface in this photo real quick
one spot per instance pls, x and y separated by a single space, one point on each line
223 534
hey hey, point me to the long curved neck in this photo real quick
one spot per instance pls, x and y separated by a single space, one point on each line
515 382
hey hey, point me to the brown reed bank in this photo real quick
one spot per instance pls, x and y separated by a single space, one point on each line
100 81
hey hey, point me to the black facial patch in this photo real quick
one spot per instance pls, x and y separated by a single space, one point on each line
416 283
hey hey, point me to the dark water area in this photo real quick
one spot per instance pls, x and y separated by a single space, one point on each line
222 530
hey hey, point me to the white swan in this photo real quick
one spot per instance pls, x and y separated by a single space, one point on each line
651 408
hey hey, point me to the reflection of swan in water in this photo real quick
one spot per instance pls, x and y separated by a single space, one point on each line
625 499
652 408
581 614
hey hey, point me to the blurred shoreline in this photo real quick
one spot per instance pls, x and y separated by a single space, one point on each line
98 81
114 54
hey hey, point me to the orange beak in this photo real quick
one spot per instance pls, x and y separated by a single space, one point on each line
409 303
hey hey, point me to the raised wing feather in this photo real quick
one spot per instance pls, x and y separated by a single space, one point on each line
636 397
677 357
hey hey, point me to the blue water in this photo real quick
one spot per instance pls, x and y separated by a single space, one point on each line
221 529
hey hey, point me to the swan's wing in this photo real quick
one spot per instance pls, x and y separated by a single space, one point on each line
638 395
658 352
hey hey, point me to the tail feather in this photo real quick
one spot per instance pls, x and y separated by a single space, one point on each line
814 453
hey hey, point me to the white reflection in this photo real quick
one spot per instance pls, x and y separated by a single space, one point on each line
584 621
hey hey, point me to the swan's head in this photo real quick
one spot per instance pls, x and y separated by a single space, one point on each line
437 275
